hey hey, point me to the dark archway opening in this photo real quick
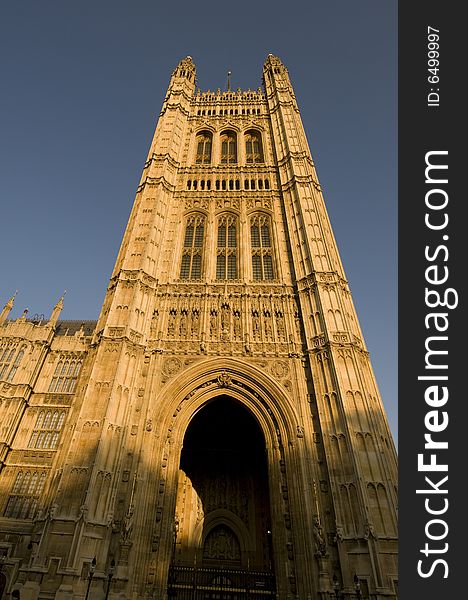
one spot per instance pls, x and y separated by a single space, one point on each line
222 545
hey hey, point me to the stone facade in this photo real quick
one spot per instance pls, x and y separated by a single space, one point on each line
218 432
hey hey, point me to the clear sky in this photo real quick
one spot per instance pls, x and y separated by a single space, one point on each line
81 87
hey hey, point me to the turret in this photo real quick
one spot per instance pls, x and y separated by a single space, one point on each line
7 308
275 75
56 312
182 84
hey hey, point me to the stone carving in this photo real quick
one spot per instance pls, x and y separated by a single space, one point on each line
280 325
228 203
183 323
127 526
224 380
247 347
237 323
171 323
322 356
267 324
338 534
369 530
259 202
279 369
297 323
171 366
255 324
154 322
53 510
195 324
83 513
196 203
213 323
221 544
134 336
116 331
319 538
225 321
318 340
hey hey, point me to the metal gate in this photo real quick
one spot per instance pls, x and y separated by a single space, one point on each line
193 583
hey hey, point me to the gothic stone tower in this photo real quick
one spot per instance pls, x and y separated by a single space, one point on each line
225 438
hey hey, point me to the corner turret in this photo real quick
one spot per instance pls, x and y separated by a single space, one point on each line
7 308
56 312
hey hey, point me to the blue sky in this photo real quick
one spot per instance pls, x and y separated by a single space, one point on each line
82 85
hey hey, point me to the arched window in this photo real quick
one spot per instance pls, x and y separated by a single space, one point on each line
192 253
65 376
262 251
228 147
5 361
17 486
226 254
253 147
24 496
203 142
47 429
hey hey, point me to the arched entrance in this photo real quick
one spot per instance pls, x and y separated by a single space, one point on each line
222 539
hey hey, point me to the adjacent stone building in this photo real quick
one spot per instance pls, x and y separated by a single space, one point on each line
218 432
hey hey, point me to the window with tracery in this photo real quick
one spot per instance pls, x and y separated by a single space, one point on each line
228 147
253 147
47 429
226 254
192 252
25 494
6 356
204 143
262 250
65 376
16 364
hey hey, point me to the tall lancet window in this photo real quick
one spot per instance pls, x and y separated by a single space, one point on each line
226 257
253 147
65 376
24 496
203 141
228 147
47 430
16 364
5 359
262 250
192 253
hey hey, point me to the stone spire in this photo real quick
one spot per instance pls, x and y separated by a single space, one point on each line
7 308
57 310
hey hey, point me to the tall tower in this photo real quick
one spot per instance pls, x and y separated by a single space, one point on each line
226 438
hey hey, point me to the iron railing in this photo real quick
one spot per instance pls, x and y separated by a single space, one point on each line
200 583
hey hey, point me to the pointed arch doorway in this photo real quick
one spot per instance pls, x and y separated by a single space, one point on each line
222 542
